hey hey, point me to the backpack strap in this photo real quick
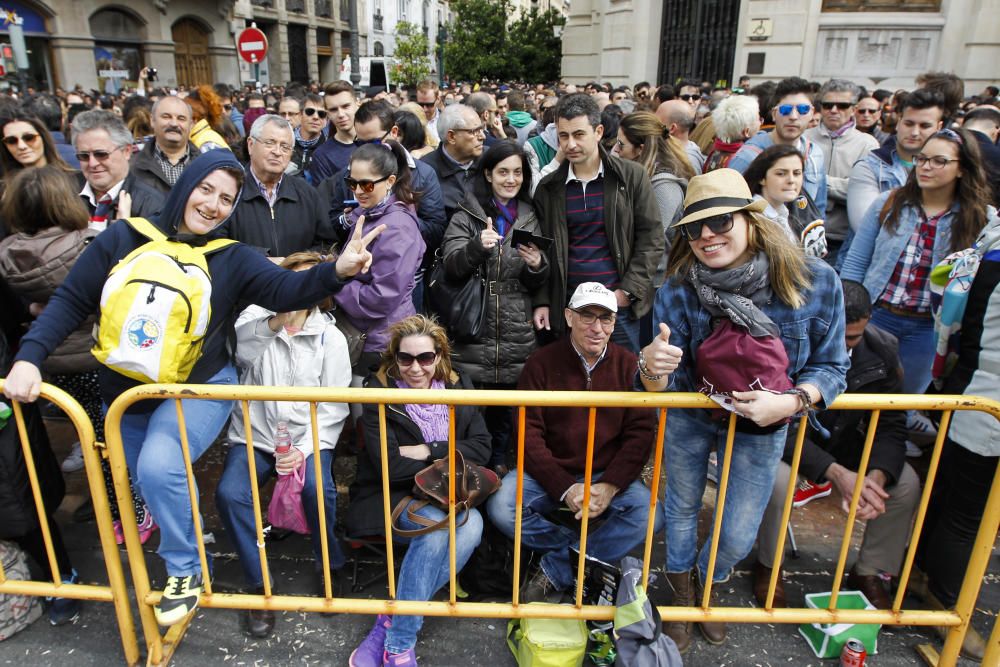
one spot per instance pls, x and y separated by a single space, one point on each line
146 228
215 246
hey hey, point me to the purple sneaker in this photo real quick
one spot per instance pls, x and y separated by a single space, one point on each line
408 658
369 653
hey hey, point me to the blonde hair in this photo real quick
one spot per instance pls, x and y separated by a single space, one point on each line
658 151
418 325
788 271
309 259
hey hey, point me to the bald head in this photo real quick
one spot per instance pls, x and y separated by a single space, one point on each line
678 116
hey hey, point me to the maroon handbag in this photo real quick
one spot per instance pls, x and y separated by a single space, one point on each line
430 487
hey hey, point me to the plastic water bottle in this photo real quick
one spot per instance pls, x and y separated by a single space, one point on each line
282 440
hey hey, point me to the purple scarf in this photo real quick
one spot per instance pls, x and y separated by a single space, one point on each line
431 419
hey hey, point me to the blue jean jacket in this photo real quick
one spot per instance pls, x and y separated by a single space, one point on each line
875 251
813 335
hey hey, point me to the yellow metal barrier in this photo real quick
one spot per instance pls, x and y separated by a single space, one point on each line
161 647
116 591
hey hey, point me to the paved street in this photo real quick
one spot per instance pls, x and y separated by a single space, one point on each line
311 639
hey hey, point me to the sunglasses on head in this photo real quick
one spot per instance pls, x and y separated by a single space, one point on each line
27 137
310 111
365 185
719 224
828 106
425 359
786 109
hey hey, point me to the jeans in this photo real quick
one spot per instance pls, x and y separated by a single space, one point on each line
956 509
916 346
611 536
425 569
689 439
626 332
153 453
235 504
500 423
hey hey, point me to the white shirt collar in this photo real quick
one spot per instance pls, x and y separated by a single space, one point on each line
571 174
88 192
590 367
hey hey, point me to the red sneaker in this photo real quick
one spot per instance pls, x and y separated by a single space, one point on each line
808 492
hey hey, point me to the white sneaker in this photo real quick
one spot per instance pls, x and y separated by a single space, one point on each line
73 462
912 451
921 429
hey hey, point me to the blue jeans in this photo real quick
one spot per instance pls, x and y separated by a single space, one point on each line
626 332
235 503
425 569
153 453
621 527
916 346
689 439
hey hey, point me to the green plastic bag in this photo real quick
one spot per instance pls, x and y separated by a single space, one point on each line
827 639
547 642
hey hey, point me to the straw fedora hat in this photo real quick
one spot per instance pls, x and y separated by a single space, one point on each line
717 192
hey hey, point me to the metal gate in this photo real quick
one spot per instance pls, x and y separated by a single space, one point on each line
698 40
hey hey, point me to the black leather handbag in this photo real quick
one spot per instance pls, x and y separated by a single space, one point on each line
459 305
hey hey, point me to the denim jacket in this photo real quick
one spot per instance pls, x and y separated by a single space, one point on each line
875 251
813 177
874 174
813 334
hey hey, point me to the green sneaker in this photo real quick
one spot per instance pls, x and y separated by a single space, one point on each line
180 598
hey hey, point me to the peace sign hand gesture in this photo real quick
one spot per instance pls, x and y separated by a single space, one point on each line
355 257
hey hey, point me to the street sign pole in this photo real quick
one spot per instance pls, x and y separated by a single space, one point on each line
251 45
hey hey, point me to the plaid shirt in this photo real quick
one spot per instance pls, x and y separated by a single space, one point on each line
909 286
171 171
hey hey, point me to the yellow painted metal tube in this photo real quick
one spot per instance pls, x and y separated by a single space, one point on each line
925 499
992 655
720 504
786 512
588 478
452 566
265 572
320 503
518 506
654 494
36 492
845 544
386 508
199 535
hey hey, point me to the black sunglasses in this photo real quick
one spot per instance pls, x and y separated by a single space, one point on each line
27 137
100 156
828 106
688 98
425 359
309 111
427 105
227 107
365 185
719 224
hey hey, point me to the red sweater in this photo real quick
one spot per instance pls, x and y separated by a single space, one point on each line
555 440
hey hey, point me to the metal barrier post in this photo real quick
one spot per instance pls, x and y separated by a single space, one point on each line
116 591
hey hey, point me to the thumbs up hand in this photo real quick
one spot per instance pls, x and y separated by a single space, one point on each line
489 237
660 357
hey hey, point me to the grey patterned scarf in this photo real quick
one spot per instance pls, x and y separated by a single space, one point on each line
737 293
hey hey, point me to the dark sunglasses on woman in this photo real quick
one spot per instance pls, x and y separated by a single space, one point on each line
719 224
27 137
425 359
365 185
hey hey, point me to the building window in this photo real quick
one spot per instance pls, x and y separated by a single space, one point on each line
426 15
295 6
378 49
323 8
377 21
881 5
401 10
118 38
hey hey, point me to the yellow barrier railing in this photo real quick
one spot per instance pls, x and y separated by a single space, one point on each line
161 647
116 591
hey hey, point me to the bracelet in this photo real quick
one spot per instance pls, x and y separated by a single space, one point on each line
804 399
644 372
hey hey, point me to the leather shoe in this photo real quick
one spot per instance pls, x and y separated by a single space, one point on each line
973 646
260 623
683 588
761 580
871 585
713 631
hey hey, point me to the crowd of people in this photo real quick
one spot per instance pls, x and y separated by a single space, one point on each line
771 247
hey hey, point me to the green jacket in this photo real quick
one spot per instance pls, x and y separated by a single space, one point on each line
631 220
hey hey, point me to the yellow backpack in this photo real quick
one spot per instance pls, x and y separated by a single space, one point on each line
155 308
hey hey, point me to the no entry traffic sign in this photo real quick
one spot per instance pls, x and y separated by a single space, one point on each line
252 45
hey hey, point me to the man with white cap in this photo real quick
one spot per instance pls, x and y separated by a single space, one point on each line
555 450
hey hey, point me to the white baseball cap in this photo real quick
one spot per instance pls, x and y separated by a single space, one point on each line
593 294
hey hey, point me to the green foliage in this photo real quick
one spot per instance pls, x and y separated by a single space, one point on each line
482 44
412 63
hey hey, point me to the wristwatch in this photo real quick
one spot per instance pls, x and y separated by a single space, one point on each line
644 372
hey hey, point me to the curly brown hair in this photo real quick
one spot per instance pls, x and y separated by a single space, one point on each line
418 325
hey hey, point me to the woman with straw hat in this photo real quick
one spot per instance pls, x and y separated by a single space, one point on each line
746 318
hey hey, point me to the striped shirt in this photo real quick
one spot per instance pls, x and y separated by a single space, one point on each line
590 258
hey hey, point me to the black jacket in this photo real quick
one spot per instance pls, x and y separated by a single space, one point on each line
875 369
455 182
364 515
146 169
296 223
991 163
631 220
146 201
